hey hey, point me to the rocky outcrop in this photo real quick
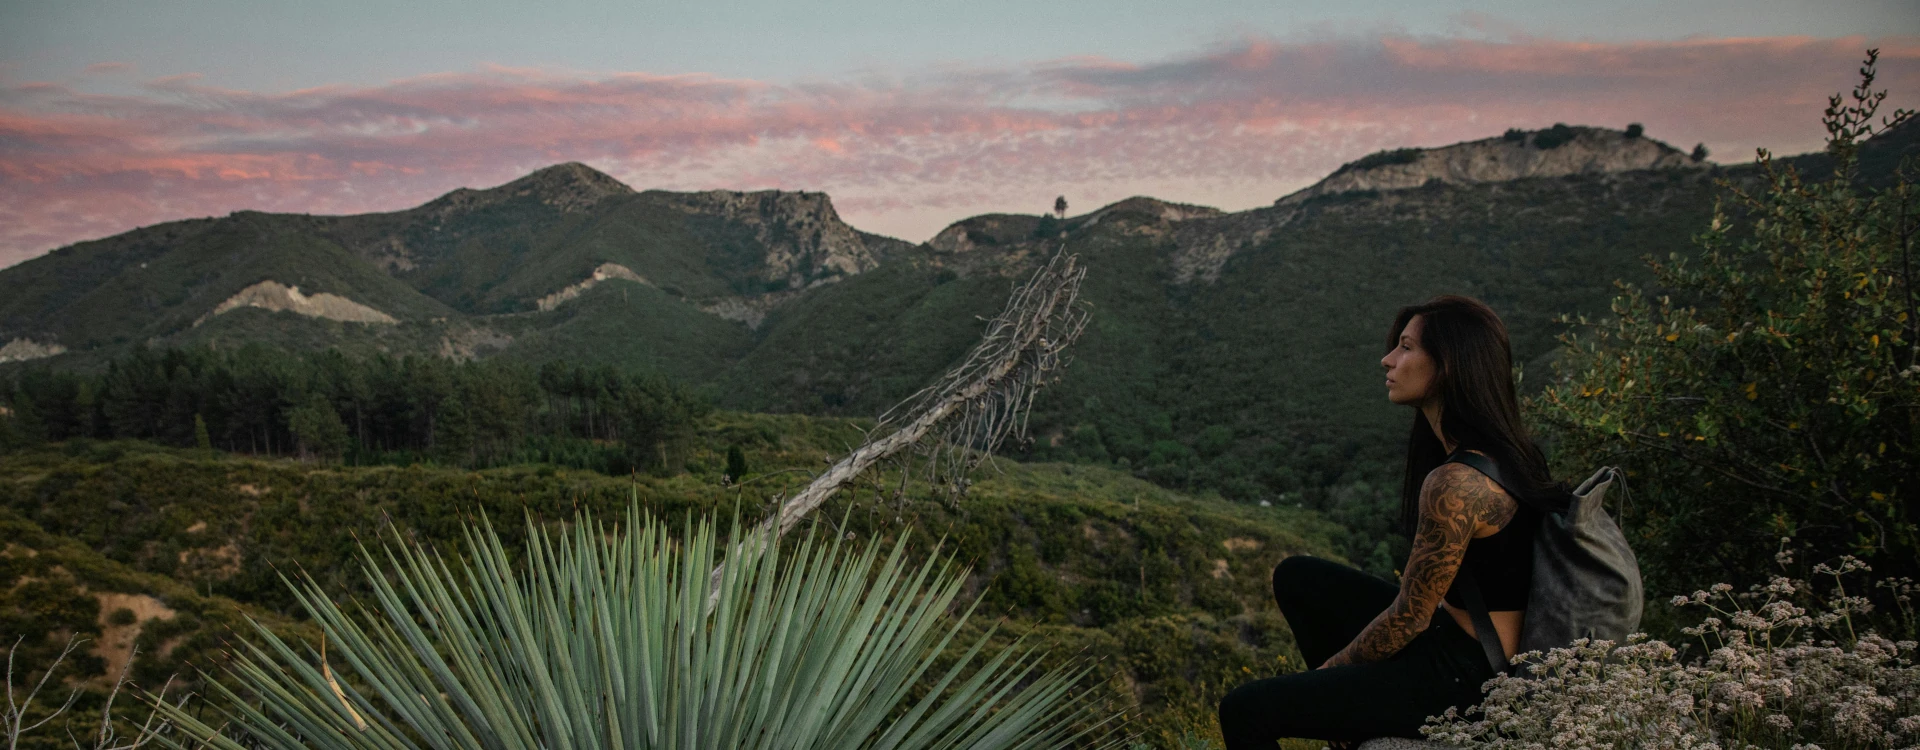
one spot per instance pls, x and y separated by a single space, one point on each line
749 310
272 295
604 272
1006 230
1165 210
1556 152
986 230
23 349
1202 247
806 242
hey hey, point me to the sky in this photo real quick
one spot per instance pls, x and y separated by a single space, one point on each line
120 114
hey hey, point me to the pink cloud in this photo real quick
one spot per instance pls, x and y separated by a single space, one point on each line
1234 126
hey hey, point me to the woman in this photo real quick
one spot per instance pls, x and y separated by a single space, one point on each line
1388 657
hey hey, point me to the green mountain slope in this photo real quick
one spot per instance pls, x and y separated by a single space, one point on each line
1229 351
154 283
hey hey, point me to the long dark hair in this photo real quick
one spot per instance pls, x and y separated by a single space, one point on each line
1473 373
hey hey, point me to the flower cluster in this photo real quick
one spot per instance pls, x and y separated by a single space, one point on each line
1774 674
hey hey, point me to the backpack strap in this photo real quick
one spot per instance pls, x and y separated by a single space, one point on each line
1469 588
1483 623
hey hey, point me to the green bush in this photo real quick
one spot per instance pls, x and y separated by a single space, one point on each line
1775 391
610 637
1554 137
1382 159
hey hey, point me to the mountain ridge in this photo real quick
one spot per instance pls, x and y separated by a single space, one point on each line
1559 151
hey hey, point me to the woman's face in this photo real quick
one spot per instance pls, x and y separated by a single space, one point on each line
1410 369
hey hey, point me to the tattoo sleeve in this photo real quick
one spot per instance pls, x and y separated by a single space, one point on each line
1454 501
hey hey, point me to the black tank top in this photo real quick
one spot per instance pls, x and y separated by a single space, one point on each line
1502 563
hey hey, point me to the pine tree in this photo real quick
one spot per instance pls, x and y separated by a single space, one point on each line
317 428
736 464
201 439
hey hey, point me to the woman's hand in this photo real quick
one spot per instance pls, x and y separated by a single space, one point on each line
1454 501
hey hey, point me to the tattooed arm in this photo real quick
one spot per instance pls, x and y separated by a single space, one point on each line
1454 501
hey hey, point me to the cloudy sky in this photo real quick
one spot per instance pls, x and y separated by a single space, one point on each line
119 114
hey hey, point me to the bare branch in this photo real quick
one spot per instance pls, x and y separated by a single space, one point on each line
960 419
14 720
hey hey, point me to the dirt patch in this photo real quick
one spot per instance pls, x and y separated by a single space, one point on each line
251 491
116 641
220 562
605 272
277 297
1241 544
1220 569
197 527
21 350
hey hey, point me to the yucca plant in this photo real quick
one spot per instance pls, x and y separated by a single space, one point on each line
601 638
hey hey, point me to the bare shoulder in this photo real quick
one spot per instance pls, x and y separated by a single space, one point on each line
1456 490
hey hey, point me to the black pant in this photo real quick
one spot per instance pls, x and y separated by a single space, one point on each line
1327 604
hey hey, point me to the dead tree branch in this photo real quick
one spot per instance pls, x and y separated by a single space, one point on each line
961 418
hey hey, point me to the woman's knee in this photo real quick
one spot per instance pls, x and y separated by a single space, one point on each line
1293 577
1239 714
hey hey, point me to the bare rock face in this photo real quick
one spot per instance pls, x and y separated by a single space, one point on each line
1557 152
23 349
1167 211
1201 248
604 272
749 310
986 230
272 295
807 243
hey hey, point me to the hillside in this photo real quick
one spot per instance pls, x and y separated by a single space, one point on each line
1090 560
154 629
467 274
1228 351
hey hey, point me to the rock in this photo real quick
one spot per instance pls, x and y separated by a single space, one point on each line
1203 245
272 295
807 243
1165 210
604 272
984 231
749 310
1583 151
23 349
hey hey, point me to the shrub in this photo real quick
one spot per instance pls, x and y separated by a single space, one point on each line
1773 392
736 463
602 637
1699 152
1772 675
1383 159
1554 137
1635 131
1515 135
